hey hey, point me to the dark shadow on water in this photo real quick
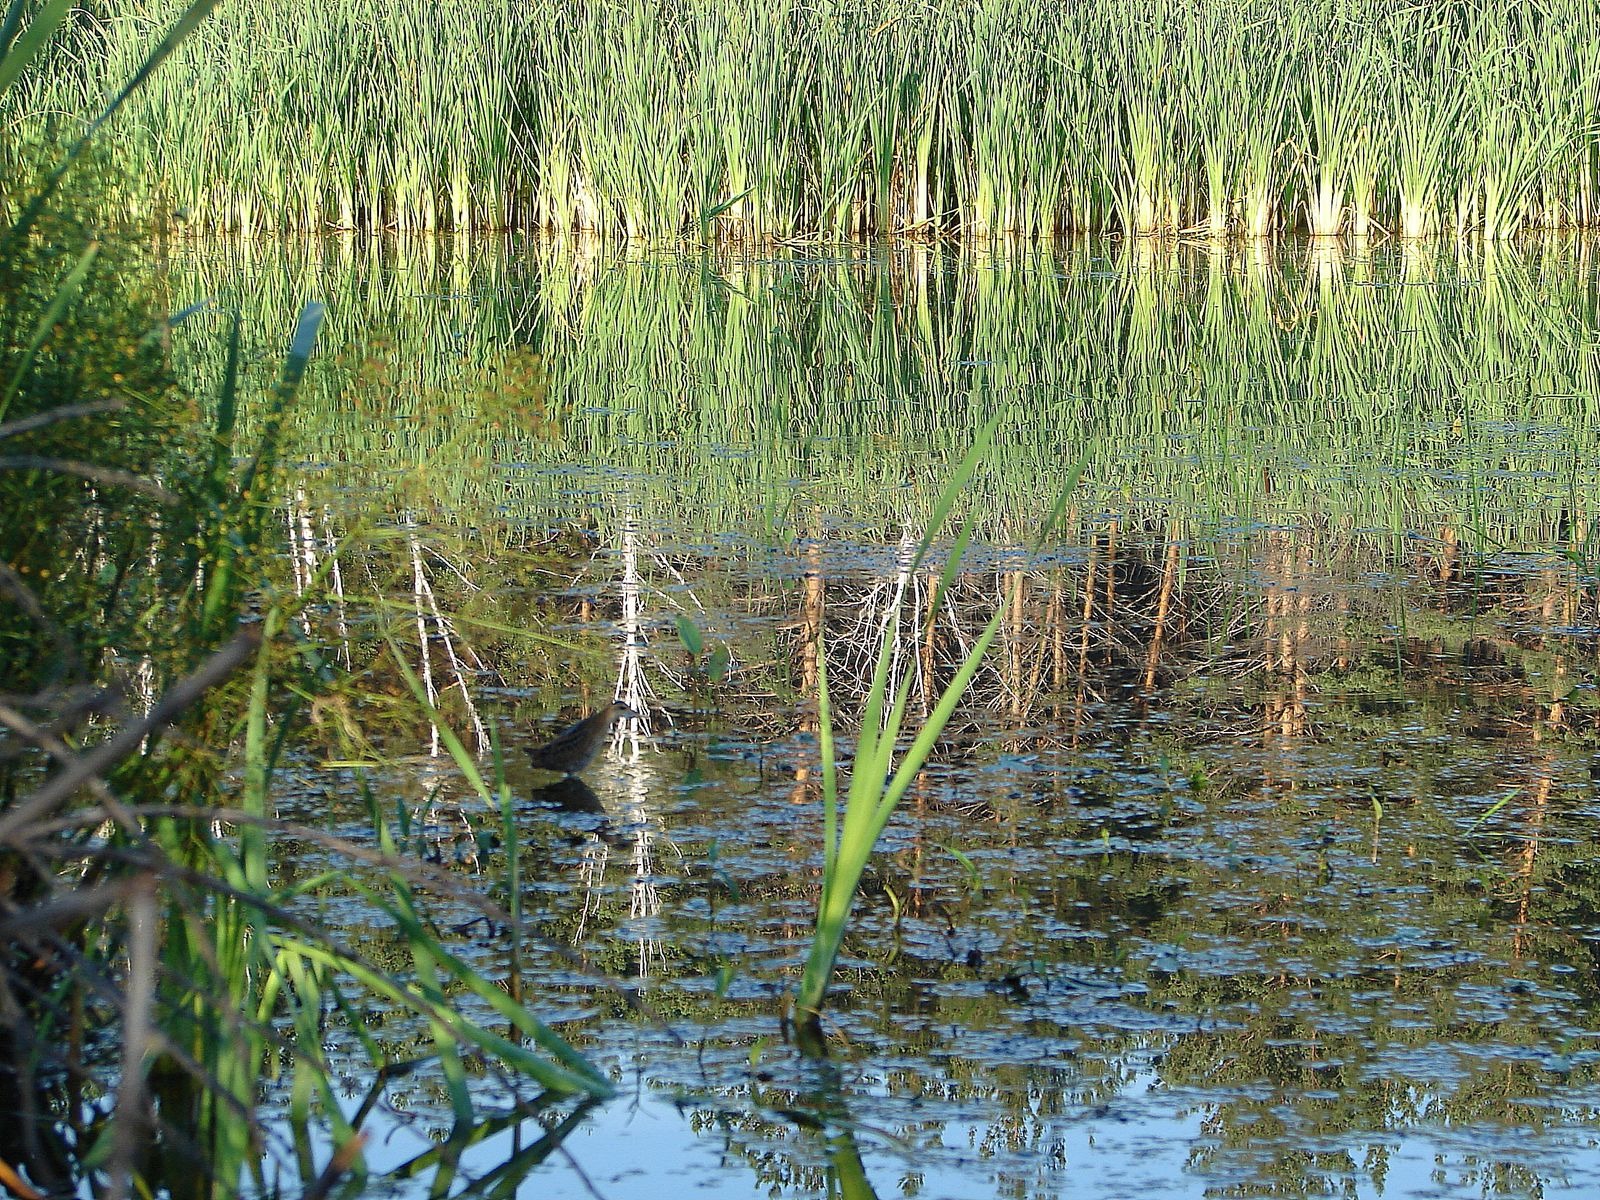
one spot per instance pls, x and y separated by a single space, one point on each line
568 795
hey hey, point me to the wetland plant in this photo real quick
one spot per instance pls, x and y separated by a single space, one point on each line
158 975
876 782
984 117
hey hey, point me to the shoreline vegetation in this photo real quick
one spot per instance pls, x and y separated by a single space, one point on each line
657 119
158 969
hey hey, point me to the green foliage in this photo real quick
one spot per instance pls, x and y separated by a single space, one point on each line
876 783
154 969
639 118
88 414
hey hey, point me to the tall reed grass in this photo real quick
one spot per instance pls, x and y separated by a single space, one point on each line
876 781
988 118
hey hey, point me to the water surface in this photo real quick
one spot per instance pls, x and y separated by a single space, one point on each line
1261 858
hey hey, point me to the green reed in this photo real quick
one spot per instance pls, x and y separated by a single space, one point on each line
877 783
990 118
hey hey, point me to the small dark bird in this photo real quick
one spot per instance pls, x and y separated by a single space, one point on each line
571 750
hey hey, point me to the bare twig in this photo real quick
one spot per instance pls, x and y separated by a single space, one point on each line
67 909
66 412
13 585
98 761
344 1158
62 753
132 1113
95 474
439 880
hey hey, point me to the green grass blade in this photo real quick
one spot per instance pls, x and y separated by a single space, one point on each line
181 29
954 487
1063 498
283 393
65 296
21 51
922 745
459 754
830 763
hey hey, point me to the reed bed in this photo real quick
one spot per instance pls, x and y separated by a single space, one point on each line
656 119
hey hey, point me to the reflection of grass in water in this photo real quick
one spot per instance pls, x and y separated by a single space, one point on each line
1406 409
1416 389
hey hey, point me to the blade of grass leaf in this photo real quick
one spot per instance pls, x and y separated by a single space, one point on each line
21 51
181 29
65 295
953 488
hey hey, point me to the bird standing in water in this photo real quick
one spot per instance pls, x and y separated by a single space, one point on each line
571 750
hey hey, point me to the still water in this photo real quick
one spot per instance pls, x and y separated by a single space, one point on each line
1261 858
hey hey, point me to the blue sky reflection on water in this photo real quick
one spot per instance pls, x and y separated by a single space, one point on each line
642 1147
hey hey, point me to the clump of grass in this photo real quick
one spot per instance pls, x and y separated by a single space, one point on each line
154 968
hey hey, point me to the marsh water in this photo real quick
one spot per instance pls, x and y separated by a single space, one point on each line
1260 859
